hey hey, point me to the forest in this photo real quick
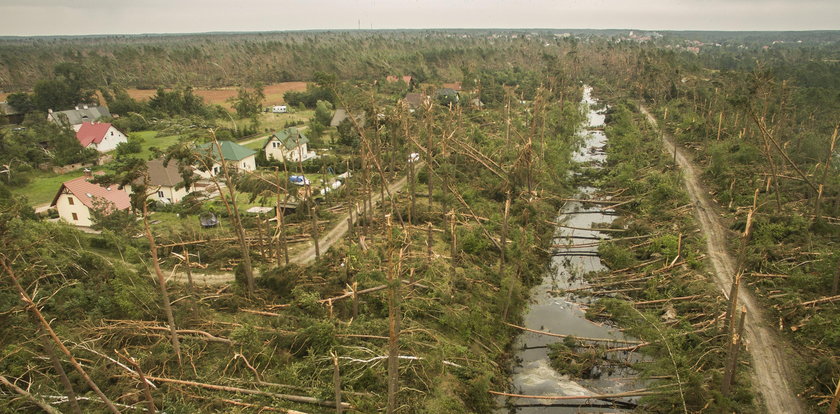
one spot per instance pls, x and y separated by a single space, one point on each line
403 287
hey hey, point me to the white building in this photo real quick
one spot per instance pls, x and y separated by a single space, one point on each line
288 145
102 137
164 182
235 156
279 109
76 198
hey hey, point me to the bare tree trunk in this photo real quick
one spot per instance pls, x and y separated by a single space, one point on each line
261 237
147 391
503 243
826 168
164 294
732 354
233 210
314 216
35 400
46 326
393 335
832 408
56 363
337 384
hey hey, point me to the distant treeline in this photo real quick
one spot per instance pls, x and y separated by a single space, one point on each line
246 59
211 60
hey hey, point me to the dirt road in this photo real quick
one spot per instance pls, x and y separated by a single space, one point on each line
304 257
772 371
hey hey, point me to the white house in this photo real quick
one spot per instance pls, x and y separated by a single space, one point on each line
79 115
164 182
76 198
279 109
288 145
102 137
235 156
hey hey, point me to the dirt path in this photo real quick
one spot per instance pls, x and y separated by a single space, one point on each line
772 370
304 257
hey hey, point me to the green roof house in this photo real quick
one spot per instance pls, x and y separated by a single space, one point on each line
236 156
289 144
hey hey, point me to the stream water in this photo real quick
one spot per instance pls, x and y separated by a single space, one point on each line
563 313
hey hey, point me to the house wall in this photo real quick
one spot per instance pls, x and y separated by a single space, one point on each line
248 164
66 210
274 150
175 196
112 138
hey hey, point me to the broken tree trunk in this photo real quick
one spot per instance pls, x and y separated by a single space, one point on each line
164 293
46 326
35 400
732 355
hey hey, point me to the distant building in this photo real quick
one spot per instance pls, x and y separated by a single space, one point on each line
279 109
235 156
341 114
289 144
12 115
164 182
102 137
76 117
414 101
407 79
76 199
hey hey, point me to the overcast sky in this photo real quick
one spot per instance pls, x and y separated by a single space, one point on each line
65 17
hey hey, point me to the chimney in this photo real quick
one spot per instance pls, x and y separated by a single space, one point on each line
88 173
85 107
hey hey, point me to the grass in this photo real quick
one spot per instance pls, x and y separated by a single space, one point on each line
44 184
150 139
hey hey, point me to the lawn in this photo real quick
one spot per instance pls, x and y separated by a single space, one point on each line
150 139
43 185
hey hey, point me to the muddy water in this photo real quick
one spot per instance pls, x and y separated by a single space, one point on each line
563 313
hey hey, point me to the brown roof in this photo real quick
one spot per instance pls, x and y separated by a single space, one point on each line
86 192
414 100
405 78
159 175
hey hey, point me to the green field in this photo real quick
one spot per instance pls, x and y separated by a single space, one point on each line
150 139
44 184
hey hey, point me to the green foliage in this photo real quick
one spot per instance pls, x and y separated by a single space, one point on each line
248 104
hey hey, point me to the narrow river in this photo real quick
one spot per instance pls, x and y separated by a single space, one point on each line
563 313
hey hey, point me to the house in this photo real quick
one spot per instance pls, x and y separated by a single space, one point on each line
81 114
76 199
447 96
236 156
279 109
288 145
407 79
102 137
12 115
164 182
341 114
414 101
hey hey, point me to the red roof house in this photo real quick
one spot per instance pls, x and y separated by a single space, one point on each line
102 135
76 198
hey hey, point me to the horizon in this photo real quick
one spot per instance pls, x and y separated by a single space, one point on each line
58 18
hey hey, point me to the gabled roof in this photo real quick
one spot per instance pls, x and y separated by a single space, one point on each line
414 100
159 175
289 137
6 109
86 192
341 114
92 133
78 116
405 78
231 151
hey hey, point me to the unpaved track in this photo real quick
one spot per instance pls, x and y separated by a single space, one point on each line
772 371
306 256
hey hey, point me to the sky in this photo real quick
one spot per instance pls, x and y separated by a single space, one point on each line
79 17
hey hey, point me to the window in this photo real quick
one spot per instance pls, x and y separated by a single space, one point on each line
160 193
75 217
70 200
215 170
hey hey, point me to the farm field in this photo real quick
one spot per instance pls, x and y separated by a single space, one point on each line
273 93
